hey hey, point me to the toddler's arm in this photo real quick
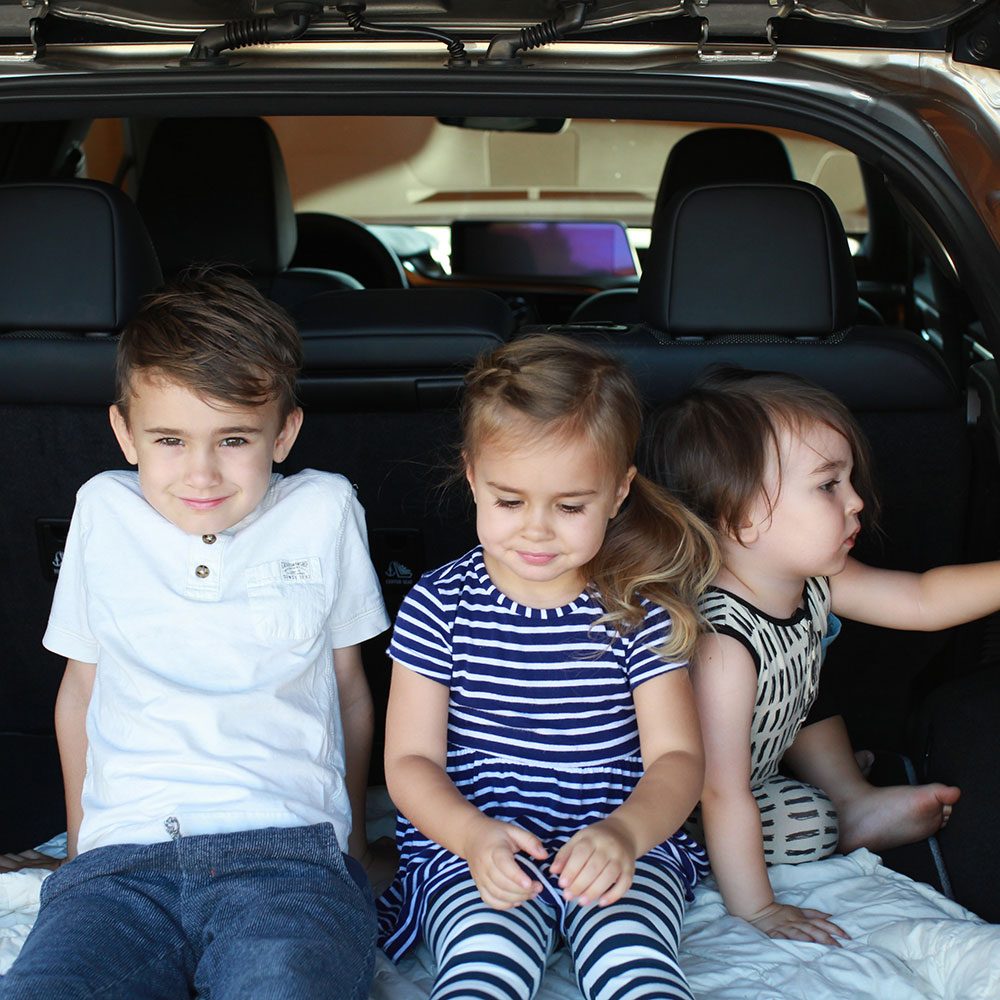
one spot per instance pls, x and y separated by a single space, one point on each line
415 759
725 684
599 861
921 602
71 734
357 717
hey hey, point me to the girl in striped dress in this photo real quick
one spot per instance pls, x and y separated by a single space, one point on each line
542 746
779 468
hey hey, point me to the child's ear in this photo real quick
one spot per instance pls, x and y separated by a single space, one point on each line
124 434
623 490
287 435
746 534
469 474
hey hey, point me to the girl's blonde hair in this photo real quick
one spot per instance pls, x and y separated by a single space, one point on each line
711 448
654 547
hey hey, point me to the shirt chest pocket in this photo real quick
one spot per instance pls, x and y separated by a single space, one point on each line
287 598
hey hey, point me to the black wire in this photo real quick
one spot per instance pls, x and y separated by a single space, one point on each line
354 15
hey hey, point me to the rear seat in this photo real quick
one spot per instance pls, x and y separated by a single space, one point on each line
382 371
381 377
380 381
760 275
76 259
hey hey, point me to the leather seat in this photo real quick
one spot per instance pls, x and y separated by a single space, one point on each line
345 245
382 371
76 260
761 276
61 318
395 349
708 156
214 190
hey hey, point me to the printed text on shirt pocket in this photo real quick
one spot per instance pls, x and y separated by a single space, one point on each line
287 598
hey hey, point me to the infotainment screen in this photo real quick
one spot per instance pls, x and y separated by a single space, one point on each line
555 249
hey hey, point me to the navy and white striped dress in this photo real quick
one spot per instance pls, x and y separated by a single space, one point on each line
541 724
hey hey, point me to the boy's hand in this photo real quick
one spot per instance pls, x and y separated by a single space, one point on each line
501 881
28 859
597 863
782 920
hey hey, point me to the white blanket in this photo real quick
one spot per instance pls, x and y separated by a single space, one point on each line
908 942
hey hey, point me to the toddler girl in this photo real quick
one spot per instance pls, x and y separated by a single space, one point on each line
778 467
542 742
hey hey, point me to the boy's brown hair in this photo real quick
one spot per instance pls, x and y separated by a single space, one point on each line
212 332
712 446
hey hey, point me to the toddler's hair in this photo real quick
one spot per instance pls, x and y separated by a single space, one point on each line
212 332
555 386
711 447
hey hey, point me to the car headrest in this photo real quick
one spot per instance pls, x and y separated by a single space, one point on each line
722 155
214 190
749 259
75 255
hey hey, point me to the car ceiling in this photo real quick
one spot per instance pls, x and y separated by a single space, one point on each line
172 16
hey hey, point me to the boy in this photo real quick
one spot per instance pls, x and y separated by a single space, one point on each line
214 722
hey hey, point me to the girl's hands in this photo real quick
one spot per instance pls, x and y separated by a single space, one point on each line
781 920
501 881
596 863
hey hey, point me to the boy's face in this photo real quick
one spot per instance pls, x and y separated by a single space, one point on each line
204 466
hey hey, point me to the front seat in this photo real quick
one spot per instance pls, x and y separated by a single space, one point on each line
708 156
214 190
342 244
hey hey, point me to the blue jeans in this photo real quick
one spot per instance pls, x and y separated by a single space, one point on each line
269 914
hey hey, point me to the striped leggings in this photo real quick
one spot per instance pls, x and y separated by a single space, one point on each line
625 951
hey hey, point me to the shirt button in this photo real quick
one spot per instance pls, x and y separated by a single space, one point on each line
208 539
201 572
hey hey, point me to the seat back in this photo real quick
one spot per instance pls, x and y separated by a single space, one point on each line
708 156
58 321
382 373
381 377
214 190
760 275
341 244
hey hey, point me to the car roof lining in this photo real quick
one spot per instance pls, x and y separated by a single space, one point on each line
182 16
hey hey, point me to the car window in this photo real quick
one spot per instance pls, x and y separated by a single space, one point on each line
423 172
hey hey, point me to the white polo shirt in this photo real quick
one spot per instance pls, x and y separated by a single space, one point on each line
215 705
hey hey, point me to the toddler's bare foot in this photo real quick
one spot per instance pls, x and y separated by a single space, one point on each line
28 859
881 818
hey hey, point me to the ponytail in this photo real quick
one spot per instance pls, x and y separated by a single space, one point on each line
657 549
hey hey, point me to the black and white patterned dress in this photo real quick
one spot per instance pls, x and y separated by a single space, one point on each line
799 822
